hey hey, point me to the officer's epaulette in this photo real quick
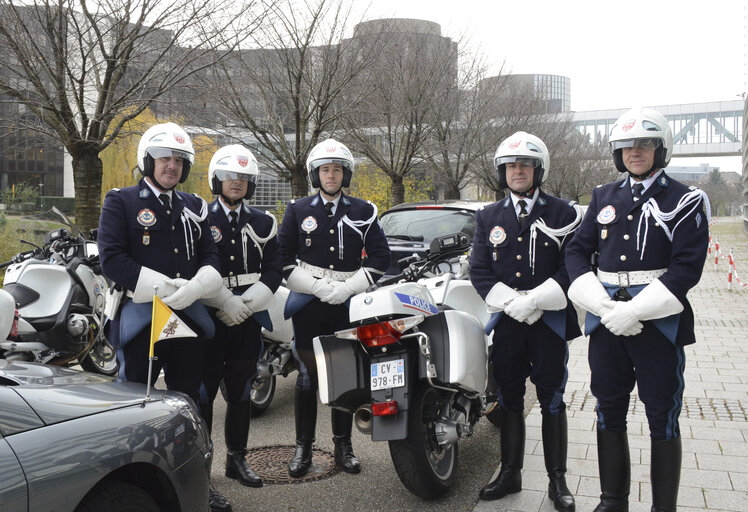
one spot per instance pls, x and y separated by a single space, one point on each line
483 207
115 190
600 185
145 193
693 187
293 201
572 203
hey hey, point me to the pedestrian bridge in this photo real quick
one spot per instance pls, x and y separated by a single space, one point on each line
699 129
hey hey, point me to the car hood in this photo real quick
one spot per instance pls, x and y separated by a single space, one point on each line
60 394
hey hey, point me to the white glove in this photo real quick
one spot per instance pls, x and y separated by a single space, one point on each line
621 320
548 296
207 283
147 279
303 281
234 311
534 317
357 283
655 301
219 300
499 296
341 290
521 307
258 297
587 292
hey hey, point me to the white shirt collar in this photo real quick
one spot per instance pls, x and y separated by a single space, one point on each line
335 202
156 191
529 200
647 183
228 210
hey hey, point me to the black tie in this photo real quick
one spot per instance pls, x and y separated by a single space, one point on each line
522 217
165 200
329 206
234 220
637 190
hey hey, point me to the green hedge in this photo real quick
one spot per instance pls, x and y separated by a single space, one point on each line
64 204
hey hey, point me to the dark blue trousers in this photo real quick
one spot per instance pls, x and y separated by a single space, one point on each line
648 360
520 351
230 361
315 319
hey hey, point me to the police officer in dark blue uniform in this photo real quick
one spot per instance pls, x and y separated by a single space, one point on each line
517 266
651 233
150 236
322 238
251 270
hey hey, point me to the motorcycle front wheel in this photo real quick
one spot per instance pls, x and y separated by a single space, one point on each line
102 359
263 389
425 468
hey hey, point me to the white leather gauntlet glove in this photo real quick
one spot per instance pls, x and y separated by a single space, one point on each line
258 297
147 279
303 281
206 283
234 311
357 283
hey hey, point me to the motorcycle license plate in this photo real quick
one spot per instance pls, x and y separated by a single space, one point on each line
388 374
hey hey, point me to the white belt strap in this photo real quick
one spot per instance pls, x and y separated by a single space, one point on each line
632 278
319 272
556 234
241 280
651 209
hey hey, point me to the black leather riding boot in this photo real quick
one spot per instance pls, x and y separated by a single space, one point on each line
555 441
665 474
217 502
305 412
614 464
509 480
342 425
236 432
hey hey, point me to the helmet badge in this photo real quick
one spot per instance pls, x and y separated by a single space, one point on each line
242 160
330 149
513 145
179 138
628 125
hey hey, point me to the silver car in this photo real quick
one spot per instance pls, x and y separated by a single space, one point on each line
76 441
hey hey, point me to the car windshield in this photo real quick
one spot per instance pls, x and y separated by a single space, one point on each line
427 223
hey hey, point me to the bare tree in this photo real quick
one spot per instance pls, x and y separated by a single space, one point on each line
292 91
414 71
85 69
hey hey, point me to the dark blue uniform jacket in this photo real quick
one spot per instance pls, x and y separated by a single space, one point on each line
263 258
308 234
616 240
512 264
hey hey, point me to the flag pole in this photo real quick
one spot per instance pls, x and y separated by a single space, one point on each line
151 355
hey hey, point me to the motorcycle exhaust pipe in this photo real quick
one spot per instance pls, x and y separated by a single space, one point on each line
363 419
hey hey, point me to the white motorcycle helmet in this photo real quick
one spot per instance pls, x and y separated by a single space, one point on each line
526 148
165 140
233 162
329 151
650 129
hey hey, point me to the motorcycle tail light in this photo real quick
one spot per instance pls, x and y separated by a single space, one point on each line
384 408
376 335
14 328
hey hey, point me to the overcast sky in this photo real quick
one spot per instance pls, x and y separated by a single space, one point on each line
618 54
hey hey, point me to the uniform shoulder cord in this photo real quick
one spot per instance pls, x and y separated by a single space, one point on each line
355 224
652 209
188 216
249 232
555 234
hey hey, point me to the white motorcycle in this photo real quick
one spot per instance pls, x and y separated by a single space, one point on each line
415 369
58 294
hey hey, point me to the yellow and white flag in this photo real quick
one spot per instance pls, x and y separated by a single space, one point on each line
165 324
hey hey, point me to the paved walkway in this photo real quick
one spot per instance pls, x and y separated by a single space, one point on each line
714 420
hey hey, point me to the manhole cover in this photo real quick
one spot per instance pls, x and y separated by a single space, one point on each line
271 463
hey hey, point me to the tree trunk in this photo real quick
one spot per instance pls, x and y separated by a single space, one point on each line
398 190
299 183
87 171
451 191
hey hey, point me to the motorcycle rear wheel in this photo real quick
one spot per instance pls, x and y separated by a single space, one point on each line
425 468
102 359
262 395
